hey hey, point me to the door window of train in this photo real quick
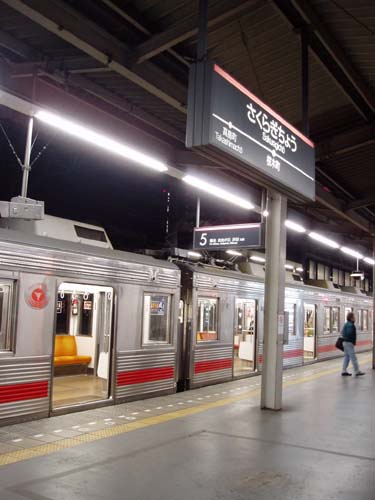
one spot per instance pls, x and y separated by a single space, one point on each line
347 311
327 320
309 320
359 319
6 293
156 323
291 310
74 312
207 319
365 320
244 336
335 319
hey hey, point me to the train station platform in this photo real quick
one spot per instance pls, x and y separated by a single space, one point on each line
209 443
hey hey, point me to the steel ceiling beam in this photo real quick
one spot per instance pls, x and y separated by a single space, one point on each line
328 200
69 77
300 13
345 142
188 28
140 27
80 32
364 202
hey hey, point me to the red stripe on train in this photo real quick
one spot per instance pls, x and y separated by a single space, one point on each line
145 375
332 347
295 353
23 392
212 365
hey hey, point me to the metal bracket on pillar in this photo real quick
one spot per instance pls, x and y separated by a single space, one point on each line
305 37
198 212
202 30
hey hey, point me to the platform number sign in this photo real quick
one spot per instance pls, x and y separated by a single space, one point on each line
227 237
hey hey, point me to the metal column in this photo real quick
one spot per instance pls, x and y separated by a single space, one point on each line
305 80
26 163
373 307
271 392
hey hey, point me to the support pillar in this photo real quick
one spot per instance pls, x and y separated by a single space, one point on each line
271 390
305 80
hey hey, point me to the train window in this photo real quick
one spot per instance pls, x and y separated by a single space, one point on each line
156 322
327 320
347 311
207 319
365 320
5 317
335 319
74 312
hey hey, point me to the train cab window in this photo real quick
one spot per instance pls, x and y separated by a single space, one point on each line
5 317
156 324
207 319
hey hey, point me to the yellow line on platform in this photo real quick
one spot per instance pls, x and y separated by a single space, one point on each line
47 449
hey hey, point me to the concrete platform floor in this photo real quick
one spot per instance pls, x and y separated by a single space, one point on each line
211 443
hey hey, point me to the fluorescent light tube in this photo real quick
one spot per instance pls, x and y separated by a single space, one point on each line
255 258
234 252
196 255
370 261
322 239
299 269
351 252
99 140
217 191
289 267
294 226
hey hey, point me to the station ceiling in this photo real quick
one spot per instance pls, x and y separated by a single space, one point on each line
125 62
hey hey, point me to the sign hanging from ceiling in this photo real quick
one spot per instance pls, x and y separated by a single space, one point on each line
226 237
225 117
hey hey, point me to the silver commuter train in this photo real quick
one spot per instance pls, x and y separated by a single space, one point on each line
84 325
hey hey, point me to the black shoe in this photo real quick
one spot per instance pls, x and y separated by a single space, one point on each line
359 374
346 374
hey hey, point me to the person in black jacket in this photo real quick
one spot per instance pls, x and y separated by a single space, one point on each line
349 335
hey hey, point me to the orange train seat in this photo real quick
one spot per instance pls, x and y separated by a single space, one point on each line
66 352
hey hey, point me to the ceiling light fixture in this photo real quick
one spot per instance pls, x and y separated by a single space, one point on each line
299 269
322 239
217 191
294 226
234 252
256 258
195 255
351 252
101 141
289 267
370 261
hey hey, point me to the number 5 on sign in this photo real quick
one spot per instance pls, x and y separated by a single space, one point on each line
203 240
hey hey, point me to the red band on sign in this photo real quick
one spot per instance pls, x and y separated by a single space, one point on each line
145 375
247 92
21 392
212 365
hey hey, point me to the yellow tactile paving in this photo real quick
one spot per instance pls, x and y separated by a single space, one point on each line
47 449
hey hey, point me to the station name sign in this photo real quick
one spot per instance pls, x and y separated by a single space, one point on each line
225 117
229 237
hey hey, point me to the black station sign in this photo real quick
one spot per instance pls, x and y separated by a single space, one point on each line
228 121
227 237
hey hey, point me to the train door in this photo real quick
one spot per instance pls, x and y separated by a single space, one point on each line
309 339
82 344
244 339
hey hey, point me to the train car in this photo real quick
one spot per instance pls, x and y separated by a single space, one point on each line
222 336
82 325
